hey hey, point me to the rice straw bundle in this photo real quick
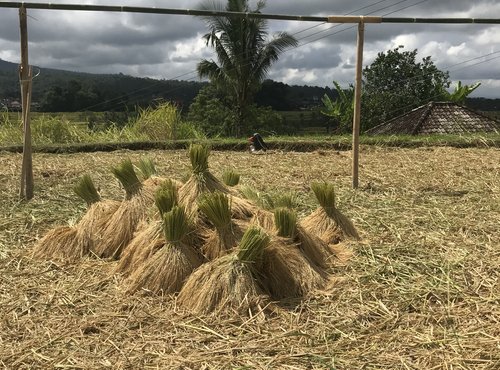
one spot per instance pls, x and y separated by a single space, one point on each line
264 219
167 269
327 222
91 226
203 181
288 272
132 210
219 241
148 237
57 244
229 282
147 168
230 178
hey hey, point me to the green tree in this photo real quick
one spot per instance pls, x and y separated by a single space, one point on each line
461 92
341 110
395 83
243 52
211 112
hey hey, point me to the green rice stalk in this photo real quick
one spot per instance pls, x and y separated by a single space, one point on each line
230 178
198 154
175 224
252 245
147 168
217 208
86 190
125 173
166 197
286 222
325 193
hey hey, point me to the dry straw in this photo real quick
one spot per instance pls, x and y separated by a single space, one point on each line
327 222
287 272
72 243
219 241
92 225
57 244
167 269
228 283
133 209
148 238
203 181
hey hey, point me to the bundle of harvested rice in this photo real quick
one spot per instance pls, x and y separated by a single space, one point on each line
132 210
167 269
203 181
91 226
286 222
221 240
327 222
287 272
147 168
230 177
57 244
148 237
229 282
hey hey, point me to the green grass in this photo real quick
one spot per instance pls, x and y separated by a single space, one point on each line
63 129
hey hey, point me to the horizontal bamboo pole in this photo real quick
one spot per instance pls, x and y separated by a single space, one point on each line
195 12
353 19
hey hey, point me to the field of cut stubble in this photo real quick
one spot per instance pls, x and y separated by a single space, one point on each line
421 291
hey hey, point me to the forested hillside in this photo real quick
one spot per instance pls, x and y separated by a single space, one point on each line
64 91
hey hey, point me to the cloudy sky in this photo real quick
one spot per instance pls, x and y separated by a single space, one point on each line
170 46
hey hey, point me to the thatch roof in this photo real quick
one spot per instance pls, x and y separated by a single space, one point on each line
437 118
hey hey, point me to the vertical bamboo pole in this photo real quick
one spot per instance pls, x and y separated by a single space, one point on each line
357 105
25 76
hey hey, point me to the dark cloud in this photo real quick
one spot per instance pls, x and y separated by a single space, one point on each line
162 46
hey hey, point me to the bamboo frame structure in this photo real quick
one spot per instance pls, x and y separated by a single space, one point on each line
360 20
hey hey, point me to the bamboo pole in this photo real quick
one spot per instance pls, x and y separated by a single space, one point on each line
25 76
357 106
205 13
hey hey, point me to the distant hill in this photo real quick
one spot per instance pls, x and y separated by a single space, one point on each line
59 90
96 91
107 92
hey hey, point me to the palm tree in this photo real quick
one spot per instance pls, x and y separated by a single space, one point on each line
243 53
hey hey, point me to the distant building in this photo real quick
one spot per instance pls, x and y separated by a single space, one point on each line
437 118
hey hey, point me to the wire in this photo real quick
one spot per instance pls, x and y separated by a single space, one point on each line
119 98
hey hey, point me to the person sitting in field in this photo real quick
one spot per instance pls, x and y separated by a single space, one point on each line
257 143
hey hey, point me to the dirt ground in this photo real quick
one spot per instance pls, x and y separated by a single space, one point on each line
421 291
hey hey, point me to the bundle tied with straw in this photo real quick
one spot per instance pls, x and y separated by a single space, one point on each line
167 269
148 238
228 283
70 243
91 227
132 210
327 222
287 272
57 244
221 240
203 181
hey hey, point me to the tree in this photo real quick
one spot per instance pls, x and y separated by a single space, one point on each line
395 83
244 55
340 109
461 92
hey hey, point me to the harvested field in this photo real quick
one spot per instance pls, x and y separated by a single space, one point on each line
422 290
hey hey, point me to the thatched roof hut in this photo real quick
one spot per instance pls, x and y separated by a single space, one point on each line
437 118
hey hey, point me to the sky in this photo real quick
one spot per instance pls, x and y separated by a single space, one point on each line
170 46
